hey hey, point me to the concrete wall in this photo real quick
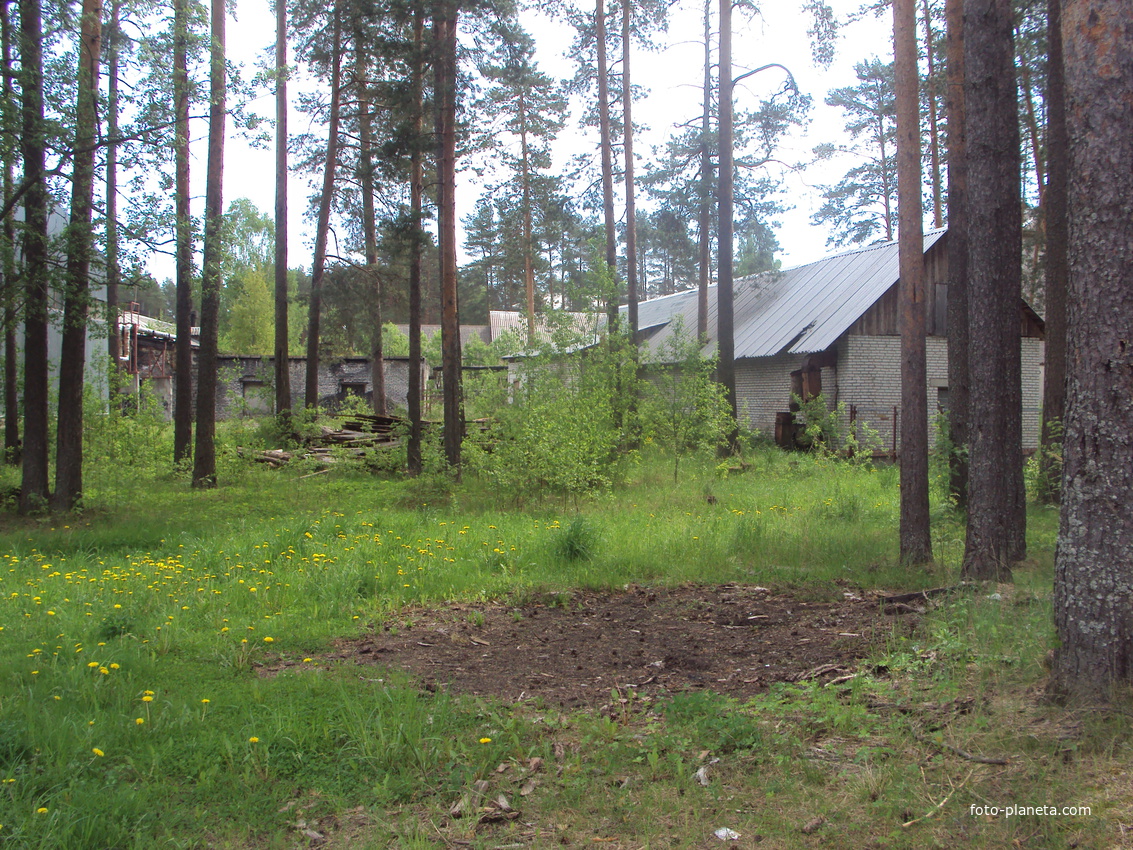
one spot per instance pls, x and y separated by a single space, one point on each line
245 385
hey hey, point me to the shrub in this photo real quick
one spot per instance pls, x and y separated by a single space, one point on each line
565 430
685 409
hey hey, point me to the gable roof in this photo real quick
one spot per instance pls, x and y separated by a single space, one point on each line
801 310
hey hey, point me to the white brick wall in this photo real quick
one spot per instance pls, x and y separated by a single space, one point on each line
869 376
763 388
1033 352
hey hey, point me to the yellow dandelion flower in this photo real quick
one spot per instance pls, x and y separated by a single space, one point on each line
253 740
485 740
306 660
205 702
147 698
97 752
115 666
269 639
139 721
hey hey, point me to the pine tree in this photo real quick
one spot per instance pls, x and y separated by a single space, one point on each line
76 306
915 537
183 236
34 482
322 228
204 459
1093 585
280 347
861 207
996 498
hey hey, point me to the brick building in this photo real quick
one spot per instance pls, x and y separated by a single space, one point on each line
830 327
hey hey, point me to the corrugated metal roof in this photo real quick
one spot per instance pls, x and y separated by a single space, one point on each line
466 332
799 310
514 321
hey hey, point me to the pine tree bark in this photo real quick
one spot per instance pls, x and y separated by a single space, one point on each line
933 130
282 347
627 142
915 539
528 261
322 228
607 157
204 459
725 309
113 263
183 347
416 193
369 227
957 250
1030 118
704 237
1093 587
8 266
1055 202
34 482
445 34
996 499
76 304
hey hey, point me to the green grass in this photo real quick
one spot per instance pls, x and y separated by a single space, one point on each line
157 591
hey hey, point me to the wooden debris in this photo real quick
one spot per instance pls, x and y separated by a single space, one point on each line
919 595
358 435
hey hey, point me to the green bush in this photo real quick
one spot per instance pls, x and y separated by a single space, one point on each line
684 408
565 430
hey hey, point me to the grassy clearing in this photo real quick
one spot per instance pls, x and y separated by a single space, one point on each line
132 712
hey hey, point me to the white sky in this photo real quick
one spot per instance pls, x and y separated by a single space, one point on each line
672 77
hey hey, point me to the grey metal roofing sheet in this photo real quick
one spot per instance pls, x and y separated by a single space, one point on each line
800 310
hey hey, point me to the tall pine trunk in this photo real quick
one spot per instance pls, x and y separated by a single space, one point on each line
725 310
369 227
957 249
1093 583
627 142
318 266
183 347
607 156
417 235
8 268
704 237
445 32
933 129
996 498
528 261
204 460
282 348
113 263
916 541
34 482
1055 203
76 305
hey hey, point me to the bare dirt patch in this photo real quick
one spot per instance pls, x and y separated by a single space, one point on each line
575 649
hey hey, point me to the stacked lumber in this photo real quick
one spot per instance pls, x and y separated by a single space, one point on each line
359 434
